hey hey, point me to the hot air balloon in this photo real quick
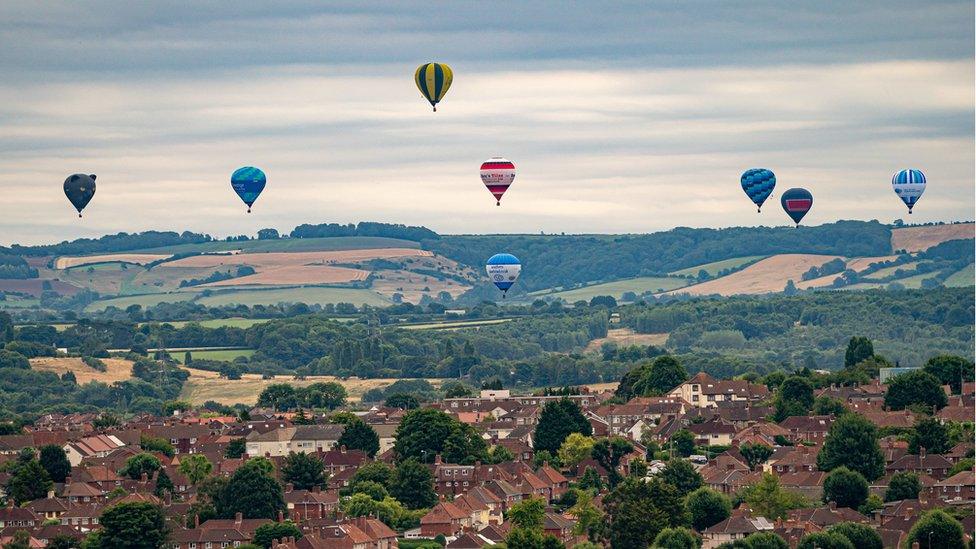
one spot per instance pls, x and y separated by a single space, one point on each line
909 186
79 188
796 203
433 80
497 174
503 270
758 183
248 182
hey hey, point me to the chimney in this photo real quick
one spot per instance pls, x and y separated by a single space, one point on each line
281 516
915 545
342 449
67 480
316 489
238 518
196 520
50 494
832 505
921 452
144 478
289 487
437 459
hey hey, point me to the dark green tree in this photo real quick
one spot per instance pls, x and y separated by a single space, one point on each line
675 538
163 484
950 370
755 454
404 401
251 491
266 533
861 536
424 433
826 406
135 525
303 471
682 475
11 359
19 540
858 349
374 471
28 481
413 485
766 540
664 374
558 419
157 444
915 388
359 436
904 485
637 511
846 488
683 442
824 540
138 464
235 448
931 434
63 541
608 452
707 508
794 398
938 530
852 442
55 462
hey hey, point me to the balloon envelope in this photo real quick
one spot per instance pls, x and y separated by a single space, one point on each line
758 183
503 270
79 188
248 182
796 203
909 186
433 80
497 174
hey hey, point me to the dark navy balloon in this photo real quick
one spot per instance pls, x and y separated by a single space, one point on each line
248 182
79 188
796 203
758 184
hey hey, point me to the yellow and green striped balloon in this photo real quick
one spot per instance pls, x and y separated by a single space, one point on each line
433 80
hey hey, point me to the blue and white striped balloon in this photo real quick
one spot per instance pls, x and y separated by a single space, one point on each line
909 186
503 270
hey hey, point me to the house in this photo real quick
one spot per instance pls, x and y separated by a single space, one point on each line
298 438
960 486
704 391
184 437
737 526
387 435
446 519
558 526
811 429
714 432
933 465
93 446
17 517
216 533
306 504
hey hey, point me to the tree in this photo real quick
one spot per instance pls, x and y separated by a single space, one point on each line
140 464
931 434
558 419
278 396
794 398
637 511
766 540
195 467
858 349
525 538
682 475
852 442
768 499
266 533
827 406
707 508
404 401
19 540
824 540
359 436
664 374
500 454
529 513
575 449
413 485
28 481
936 529
251 491
456 389
303 471
11 359
235 448
63 541
156 444
845 487
755 454
55 462
684 442
915 388
374 471
425 432
950 370
589 518
861 536
608 452
904 485
135 525
163 484
675 538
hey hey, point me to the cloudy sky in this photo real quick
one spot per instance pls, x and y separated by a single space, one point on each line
621 117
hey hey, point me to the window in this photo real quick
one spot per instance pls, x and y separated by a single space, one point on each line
193 545
208 545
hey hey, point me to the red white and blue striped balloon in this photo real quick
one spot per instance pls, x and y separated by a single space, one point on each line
909 186
497 174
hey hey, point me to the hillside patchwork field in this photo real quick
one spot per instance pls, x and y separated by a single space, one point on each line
654 284
766 276
917 239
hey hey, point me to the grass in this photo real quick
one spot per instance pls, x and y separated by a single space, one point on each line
914 282
962 278
888 271
13 302
716 266
219 322
146 300
224 354
287 245
204 386
453 325
618 287
310 295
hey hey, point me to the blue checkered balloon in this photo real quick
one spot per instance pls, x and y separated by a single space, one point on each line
758 183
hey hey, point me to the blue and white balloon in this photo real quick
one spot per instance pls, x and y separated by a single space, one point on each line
503 270
909 186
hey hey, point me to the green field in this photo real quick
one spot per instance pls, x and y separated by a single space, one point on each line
310 295
223 354
454 325
888 271
618 287
147 300
220 322
962 278
914 282
287 245
14 302
716 266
